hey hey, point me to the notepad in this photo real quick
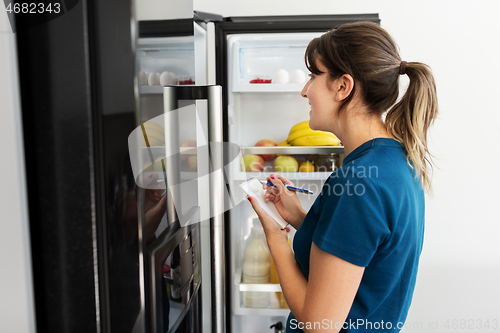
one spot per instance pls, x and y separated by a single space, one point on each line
253 188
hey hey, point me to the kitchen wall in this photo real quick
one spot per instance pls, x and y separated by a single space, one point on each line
163 9
460 265
17 312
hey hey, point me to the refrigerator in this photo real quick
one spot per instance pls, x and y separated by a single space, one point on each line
98 263
228 95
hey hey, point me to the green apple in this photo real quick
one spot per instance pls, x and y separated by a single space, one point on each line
157 165
285 164
148 166
252 163
192 163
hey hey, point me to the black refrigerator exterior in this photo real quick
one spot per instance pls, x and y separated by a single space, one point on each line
77 75
80 104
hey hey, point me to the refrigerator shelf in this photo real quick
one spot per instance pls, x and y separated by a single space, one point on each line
157 150
268 87
298 150
264 287
144 90
268 312
185 175
239 176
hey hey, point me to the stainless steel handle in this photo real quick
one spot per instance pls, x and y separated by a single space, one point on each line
213 94
172 168
215 136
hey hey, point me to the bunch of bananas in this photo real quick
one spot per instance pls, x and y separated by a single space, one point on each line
154 133
302 135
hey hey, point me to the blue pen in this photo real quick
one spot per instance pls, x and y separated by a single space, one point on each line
292 188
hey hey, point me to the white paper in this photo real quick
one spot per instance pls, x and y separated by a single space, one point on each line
253 188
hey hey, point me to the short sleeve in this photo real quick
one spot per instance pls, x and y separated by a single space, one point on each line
352 222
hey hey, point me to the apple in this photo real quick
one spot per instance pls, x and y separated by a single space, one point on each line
192 163
253 163
266 143
187 143
157 165
148 166
286 164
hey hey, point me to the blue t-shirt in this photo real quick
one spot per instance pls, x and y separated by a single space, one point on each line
370 213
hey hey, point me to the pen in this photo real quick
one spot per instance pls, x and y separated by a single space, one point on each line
292 188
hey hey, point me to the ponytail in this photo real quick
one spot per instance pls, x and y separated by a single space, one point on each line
409 119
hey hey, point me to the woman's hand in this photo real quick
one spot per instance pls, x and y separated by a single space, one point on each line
271 228
287 203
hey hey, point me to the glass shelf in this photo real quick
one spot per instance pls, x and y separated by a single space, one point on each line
268 87
297 150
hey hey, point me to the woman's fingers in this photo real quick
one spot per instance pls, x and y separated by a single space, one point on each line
261 213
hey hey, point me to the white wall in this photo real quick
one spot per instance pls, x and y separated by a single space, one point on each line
460 265
16 284
163 9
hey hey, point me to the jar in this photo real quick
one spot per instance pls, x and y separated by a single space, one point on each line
327 162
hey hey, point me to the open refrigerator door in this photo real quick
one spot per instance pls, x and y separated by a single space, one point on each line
266 73
174 151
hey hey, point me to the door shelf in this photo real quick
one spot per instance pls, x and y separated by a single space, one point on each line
143 90
266 287
272 288
146 90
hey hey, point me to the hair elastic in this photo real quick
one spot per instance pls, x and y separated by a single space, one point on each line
402 68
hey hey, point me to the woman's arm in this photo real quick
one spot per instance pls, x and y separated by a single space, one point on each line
328 295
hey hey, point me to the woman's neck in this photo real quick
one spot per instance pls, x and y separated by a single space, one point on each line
360 128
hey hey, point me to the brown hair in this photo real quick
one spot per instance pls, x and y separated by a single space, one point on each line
367 52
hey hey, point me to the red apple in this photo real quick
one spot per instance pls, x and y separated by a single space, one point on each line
253 163
286 164
266 143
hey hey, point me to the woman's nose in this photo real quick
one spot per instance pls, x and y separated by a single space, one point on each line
303 92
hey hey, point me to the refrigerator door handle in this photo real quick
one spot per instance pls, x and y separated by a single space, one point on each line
213 95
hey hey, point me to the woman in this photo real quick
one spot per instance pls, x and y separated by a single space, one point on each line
357 249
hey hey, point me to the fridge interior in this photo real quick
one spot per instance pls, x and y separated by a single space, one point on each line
259 111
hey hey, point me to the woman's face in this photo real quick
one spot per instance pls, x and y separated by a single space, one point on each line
321 95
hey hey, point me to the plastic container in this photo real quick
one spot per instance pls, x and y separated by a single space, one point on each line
256 269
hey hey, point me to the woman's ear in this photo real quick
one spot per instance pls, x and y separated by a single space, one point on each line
343 86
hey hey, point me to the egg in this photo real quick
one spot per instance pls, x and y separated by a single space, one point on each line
153 79
281 76
298 76
172 79
143 79
165 78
